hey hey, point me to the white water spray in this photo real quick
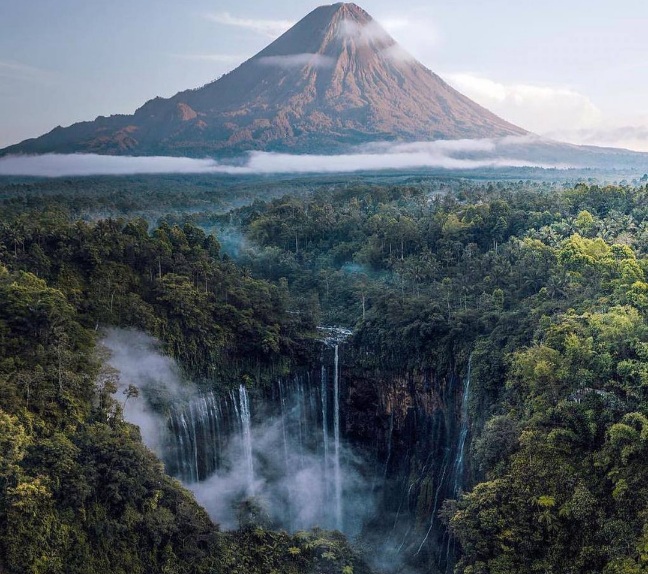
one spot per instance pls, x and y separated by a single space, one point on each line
246 427
337 476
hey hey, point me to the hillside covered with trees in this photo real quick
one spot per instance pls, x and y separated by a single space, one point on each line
78 490
546 291
541 289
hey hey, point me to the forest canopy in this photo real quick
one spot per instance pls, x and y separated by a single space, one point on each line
542 286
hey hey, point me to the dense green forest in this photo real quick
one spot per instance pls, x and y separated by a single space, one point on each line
543 286
78 490
547 291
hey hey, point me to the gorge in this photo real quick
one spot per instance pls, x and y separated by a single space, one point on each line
482 410
288 455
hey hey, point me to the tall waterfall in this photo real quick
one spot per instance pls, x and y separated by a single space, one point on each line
463 434
246 430
336 436
325 435
284 449
197 431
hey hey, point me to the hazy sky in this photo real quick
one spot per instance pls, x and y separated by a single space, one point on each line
572 69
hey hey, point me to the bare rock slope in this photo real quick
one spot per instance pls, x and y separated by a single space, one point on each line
334 79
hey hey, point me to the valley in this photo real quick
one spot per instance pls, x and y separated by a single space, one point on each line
492 323
324 314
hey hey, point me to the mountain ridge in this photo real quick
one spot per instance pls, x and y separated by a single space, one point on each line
334 79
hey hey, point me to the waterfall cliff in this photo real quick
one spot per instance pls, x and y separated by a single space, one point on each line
283 448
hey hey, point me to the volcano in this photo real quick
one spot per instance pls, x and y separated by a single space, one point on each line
334 80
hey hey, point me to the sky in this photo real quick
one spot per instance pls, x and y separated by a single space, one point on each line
574 70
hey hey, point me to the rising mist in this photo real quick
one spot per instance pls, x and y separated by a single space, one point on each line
201 438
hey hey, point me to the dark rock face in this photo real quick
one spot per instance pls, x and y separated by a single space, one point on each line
411 425
334 79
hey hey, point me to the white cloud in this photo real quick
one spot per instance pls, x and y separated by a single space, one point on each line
446 147
559 113
398 54
395 24
416 32
369 33
444 154
58 165
270 28
621 135
436 154
17 67
540 109
297 61
19 71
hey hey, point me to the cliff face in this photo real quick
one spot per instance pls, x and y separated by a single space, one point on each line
417 429
335 79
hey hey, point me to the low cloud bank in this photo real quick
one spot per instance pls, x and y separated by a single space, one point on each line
631 137
59 165
440 154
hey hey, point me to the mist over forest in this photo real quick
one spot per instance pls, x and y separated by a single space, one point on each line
491 364
323 314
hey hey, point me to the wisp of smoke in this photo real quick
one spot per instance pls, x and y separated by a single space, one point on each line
139 362
297 61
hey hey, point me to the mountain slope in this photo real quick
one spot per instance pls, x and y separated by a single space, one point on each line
334 78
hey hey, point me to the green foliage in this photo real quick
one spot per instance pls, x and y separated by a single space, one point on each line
547 289
79 493
213 317
255 550
544 287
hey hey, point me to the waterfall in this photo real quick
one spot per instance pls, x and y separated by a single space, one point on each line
184 438
286 450
300 420
284 430
290 455
435 507
281 444
325 437
336 437
194 440
246 427
200 432
463 434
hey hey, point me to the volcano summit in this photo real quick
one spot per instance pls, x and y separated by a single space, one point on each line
333 80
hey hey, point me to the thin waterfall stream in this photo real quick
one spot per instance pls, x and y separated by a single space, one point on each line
283 450
246 429
336 437
463 433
